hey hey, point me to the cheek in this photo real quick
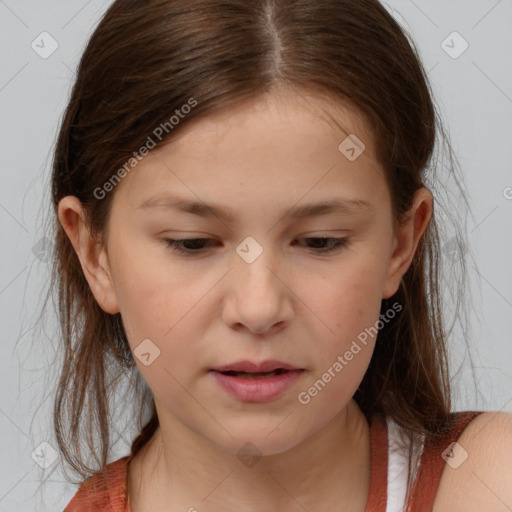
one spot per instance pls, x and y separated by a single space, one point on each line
349 299
344 351
169 306
348 304
149 289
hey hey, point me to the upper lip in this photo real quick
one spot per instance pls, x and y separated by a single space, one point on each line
252 367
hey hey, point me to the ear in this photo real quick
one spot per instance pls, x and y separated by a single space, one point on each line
90 251
406 239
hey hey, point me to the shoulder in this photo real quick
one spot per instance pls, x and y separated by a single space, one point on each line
102 491
480 475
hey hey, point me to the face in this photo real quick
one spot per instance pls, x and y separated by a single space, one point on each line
269 279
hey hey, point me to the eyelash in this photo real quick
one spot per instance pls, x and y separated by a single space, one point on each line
176 245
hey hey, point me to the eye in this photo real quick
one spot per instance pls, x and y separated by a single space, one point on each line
187 245
190 246
333 244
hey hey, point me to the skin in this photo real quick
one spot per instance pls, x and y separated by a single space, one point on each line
292 303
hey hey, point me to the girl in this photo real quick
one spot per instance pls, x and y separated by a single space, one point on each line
244 223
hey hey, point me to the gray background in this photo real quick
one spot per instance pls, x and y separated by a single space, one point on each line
474 94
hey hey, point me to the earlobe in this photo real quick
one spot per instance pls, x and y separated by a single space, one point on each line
90 251
406 240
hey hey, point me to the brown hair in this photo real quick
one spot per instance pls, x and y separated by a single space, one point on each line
146 59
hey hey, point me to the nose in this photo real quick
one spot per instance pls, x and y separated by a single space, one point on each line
258 298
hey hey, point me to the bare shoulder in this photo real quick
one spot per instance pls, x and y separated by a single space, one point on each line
478 476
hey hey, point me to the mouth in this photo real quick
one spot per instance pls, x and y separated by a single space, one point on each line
252 382
256 370
255 375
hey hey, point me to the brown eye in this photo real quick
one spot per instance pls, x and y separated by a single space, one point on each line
326 244
187 245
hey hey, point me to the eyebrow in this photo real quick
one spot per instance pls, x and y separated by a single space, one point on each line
343 206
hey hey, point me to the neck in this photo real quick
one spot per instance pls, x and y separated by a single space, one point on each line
329 470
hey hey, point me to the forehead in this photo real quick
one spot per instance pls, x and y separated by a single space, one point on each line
281 142
284 112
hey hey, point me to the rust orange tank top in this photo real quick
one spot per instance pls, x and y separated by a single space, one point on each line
106 491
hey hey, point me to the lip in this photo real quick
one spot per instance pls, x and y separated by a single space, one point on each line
261 389
251 367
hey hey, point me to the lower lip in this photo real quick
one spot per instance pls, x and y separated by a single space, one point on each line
263 389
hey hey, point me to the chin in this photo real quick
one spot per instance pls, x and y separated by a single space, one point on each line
260 440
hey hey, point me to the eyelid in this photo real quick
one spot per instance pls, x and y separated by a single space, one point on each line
339 244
